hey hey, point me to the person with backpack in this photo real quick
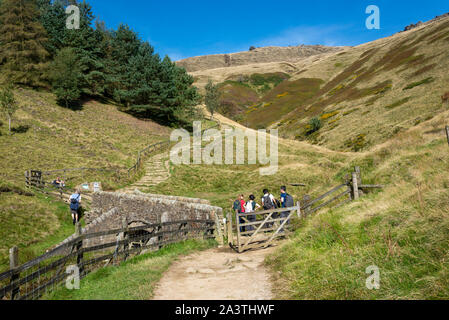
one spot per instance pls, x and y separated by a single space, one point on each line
251 206
286 202
239 207
269 203
75 205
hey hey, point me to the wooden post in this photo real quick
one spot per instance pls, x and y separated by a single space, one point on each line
218 235
13 264
359 175
125 238
229 227
27 179
237 222
306 210
447 133
79 248
355 187
298 204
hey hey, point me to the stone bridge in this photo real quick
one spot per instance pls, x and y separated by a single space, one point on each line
108 210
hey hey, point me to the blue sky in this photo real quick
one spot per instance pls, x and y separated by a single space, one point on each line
187 28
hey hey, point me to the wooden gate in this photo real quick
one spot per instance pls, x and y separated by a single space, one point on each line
258 230
33 178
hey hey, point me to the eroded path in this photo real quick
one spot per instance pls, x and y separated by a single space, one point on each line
156 171
217 274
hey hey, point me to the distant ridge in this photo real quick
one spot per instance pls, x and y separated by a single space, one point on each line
258 55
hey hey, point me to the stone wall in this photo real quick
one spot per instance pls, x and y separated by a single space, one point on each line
150 208
109 209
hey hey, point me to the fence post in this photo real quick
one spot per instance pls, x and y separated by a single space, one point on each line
125 238
298 204
355 187
237 222
219 235
79 248
359 176
27 179
447 133
229 228
306 200
13 264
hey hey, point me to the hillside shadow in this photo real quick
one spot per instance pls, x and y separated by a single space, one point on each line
21 129
154 114
72 105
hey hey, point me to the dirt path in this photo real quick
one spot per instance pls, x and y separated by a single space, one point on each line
217 274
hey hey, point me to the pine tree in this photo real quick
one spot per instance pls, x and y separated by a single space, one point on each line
65 73
22 39
53 19
122 46
87 43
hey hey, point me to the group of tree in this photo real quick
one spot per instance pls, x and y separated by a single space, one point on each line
38 50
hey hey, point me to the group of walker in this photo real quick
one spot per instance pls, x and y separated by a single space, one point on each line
269 202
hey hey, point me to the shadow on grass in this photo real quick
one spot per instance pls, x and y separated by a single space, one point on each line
21 129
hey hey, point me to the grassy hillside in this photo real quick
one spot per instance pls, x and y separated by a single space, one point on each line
403 230
395 83
238 94
48 137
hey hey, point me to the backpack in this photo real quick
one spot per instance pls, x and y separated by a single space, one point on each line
253 205
74 204
289 202
236 206
268 204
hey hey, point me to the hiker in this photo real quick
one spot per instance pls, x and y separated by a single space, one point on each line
239 204
58 183
269 203
75 206
286 202
242 204
251 206
239 207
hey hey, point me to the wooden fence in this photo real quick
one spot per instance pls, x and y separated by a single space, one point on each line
36 277
34 180
261 228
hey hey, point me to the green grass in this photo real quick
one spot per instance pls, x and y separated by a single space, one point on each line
284 98
33 224
398 103
402 230
132 280
418 83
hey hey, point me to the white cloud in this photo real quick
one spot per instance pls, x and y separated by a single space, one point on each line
309 35
176 56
